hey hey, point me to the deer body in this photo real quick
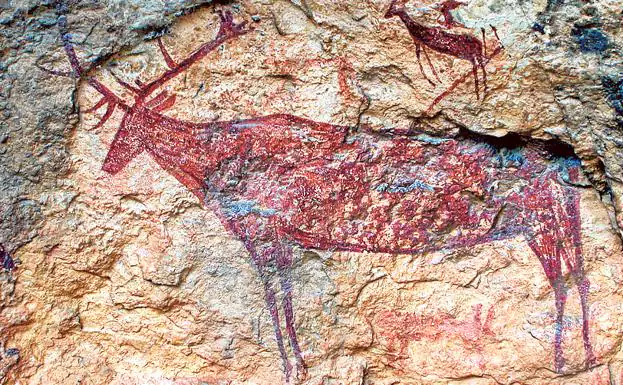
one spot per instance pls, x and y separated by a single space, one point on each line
278 182
370 193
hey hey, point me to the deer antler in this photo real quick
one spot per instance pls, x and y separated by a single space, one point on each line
227 31
109 98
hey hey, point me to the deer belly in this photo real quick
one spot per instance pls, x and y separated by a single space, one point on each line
360 207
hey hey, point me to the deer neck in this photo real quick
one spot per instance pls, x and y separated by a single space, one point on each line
415 29
188 151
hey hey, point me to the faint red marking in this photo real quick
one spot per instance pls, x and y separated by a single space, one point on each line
604 376
346 73
281 181
400 329
460 81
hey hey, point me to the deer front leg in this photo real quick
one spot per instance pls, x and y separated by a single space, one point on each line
261 238
430 64
419 62
255 233
550 259
271 303
284 264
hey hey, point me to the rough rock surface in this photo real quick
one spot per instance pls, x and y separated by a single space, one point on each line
130 279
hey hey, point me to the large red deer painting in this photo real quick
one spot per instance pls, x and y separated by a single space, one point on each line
278 182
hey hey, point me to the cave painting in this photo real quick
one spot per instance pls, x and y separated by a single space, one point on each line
278 182
460 46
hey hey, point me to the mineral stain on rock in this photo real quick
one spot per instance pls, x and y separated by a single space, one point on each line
591 40
8 359
6 261
613 88
398 329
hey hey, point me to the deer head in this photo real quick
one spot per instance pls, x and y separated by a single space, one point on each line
126 144
395 8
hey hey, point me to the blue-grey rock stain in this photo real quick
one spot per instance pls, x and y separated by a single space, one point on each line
591 40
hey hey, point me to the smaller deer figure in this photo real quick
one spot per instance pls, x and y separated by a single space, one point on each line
445 8
461 46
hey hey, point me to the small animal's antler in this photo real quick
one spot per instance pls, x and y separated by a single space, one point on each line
228 30
109 98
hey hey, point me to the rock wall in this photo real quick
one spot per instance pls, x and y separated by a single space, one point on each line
314 192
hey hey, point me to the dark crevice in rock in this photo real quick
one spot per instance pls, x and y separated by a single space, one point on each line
554 147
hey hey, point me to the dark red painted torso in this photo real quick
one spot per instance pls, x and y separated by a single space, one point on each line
321 187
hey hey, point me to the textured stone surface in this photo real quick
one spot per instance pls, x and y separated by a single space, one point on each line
129 279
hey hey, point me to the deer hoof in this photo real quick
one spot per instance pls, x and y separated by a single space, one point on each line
301 373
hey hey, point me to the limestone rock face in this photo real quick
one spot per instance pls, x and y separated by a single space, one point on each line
267 192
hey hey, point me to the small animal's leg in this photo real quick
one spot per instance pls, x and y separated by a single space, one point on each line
484 41
430 64
475 72
481 62
419 62
284 264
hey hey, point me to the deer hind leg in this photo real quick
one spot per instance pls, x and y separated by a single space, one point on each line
579 276
583 286
284 264
549 257
419 62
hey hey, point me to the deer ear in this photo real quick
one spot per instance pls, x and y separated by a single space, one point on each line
123 149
